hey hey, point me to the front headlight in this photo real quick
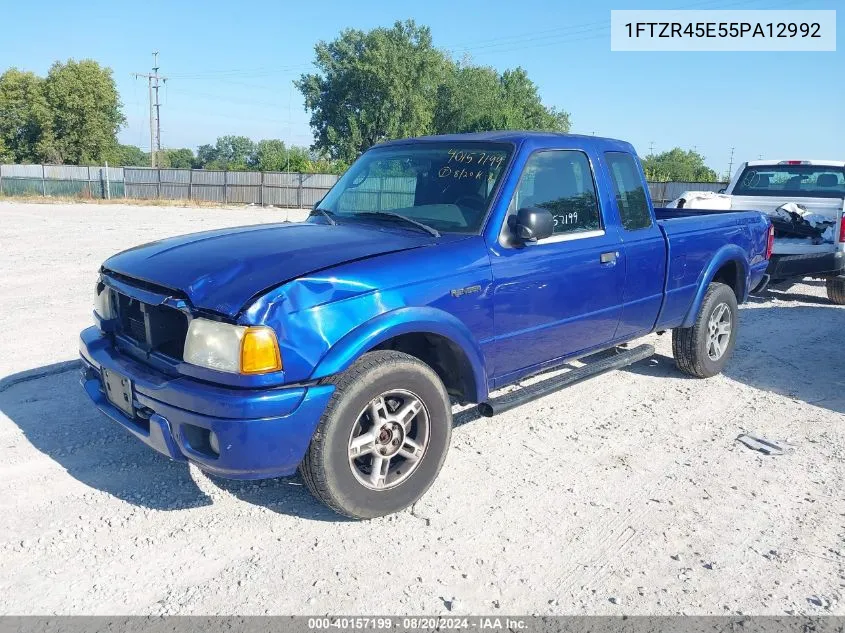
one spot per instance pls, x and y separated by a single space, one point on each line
232 348
103 301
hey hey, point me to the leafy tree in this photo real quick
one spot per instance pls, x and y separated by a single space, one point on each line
273 155
229 152
205 154
324 165
24 117
6 155
85 111
179 158
392 83
128 156
477 98
371 87
678 165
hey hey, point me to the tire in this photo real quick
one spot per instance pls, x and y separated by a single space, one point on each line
351 486
836 290
691 346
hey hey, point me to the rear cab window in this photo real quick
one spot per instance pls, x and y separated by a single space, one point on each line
791 181
560 181
628 186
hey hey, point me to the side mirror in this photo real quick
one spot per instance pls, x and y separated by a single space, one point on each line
533 223
722 190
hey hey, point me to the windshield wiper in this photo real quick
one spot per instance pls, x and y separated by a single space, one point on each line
326 214
425 227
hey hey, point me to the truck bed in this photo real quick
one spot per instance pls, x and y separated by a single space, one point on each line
692 238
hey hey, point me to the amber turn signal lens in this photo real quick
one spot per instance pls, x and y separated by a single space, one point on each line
260 351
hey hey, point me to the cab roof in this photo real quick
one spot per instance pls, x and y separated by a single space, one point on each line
520 137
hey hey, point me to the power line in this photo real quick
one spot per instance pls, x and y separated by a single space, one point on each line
153 80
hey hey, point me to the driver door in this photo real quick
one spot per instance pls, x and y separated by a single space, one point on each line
562 295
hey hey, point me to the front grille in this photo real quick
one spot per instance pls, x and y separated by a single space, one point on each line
153 328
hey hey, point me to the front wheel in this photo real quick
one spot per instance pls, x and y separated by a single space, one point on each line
703 349
382 438
836 290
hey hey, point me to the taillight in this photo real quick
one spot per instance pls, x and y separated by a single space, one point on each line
770 244
842 229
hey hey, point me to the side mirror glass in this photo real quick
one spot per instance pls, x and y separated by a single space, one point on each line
533 223
722 190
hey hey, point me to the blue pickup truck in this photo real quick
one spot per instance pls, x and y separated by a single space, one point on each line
436 271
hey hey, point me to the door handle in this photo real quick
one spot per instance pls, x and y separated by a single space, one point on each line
609 258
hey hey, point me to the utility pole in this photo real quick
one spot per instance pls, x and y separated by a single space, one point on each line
153 80
731 164
651 148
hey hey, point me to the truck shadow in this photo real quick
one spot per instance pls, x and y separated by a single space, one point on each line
284 495
51 409
787 296
792 351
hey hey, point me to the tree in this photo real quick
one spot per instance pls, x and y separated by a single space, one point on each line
392 83
205 154
371 87
180 158
86 112
272 155
229 152
128 156
678 165
24 117
476 98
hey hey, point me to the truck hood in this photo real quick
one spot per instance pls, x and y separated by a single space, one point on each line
222 270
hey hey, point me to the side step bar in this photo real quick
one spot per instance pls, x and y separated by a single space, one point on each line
538 390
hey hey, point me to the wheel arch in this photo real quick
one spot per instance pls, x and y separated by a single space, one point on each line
436 337
728 266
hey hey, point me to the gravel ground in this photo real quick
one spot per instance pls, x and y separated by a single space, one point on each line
625 494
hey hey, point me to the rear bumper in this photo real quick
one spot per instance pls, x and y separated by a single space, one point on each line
790 266
261 433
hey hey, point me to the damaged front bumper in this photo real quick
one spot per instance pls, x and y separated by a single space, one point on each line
231 432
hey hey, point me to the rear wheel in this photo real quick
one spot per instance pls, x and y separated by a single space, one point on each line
836 289
383 437
703 349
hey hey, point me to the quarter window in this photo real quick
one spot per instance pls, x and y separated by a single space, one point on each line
630 192
562 182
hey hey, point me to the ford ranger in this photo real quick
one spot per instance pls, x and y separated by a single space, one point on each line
436 271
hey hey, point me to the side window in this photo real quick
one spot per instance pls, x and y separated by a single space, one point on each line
562 182
630 194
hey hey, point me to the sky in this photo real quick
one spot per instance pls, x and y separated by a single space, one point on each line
230 67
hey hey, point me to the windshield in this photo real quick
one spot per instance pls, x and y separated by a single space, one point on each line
446 186
793 181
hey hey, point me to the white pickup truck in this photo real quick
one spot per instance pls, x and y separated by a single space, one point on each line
806 201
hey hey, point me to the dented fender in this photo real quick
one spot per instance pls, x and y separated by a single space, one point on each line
407 320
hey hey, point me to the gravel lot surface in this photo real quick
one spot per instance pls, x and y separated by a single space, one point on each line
624 494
